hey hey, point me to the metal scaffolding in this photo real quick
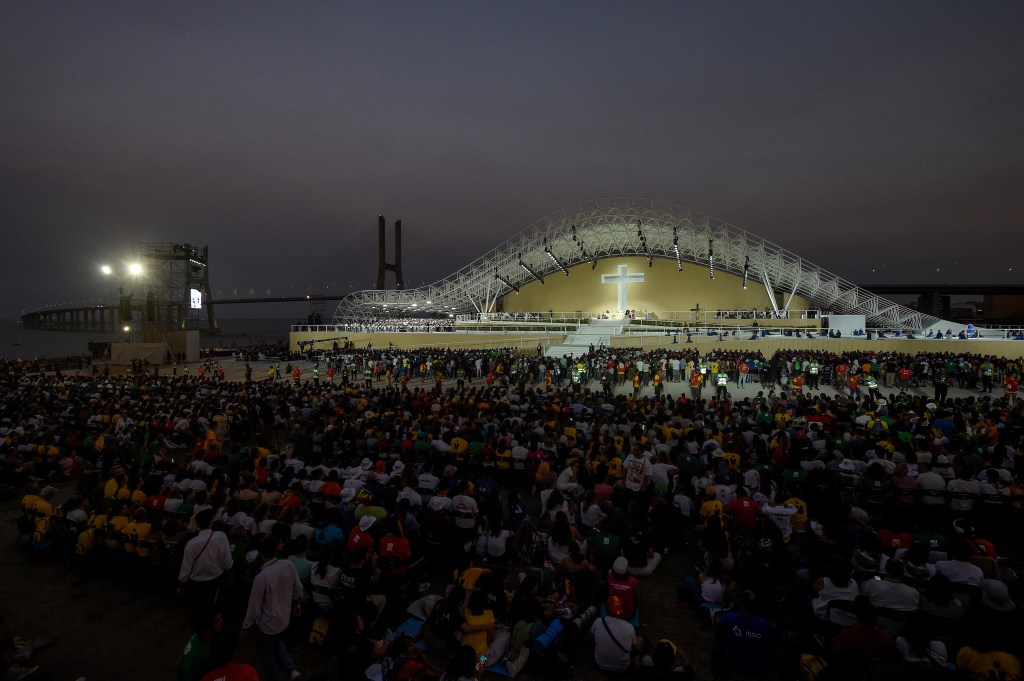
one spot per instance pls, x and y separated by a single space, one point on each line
172 272
614 227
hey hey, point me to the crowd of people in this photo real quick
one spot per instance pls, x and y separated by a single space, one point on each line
439 513
402 325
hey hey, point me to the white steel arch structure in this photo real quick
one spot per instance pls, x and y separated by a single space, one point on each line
613 227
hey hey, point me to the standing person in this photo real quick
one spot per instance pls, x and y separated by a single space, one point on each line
206 560
275 597
638 471
695 383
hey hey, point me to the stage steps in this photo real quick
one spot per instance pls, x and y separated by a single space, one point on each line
596 333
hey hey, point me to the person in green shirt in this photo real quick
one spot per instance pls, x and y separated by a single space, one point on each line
195 660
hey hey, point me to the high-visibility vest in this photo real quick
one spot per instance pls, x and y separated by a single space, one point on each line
814 367
723 380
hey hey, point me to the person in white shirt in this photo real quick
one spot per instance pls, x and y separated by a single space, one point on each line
614 641
959 569
890 591
276 595
782 517
206 559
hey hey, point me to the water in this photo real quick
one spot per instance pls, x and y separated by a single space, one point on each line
19 343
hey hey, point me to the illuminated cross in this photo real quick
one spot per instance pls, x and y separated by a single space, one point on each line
623 278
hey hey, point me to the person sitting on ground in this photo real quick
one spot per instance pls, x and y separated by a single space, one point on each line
196 659
667 662
622 588
615 641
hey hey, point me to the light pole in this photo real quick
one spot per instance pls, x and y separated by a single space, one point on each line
132 271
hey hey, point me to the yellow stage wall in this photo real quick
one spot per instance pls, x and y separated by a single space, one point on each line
664 290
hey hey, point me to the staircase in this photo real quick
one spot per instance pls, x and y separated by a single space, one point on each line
595 333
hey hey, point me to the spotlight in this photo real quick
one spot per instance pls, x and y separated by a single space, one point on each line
505 281
555 260
530 270
746 272
711 258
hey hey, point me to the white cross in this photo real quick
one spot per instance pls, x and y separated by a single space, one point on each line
623 278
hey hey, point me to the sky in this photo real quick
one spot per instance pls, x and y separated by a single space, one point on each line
883 141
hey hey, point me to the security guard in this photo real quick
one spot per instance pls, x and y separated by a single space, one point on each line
722 385
814 370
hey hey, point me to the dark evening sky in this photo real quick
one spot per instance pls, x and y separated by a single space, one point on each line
861 135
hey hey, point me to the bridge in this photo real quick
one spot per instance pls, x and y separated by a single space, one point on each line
105 317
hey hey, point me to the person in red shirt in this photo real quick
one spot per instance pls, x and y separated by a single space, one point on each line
331 490
360 537
623 586
395 552
1010 388
744 511
695 383
222 654
905 375
841 371
855 387
865 639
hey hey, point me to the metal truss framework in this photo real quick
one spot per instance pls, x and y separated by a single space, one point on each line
614 227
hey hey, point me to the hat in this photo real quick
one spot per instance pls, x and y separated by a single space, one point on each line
996 596
348 494
899 457
366 522
47 492
437 503
710 489
846 465
942 460
882 402
450 470
366 464
859 516
398 468
930 406
620 566
664 649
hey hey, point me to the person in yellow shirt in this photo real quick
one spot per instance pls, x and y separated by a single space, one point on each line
28 502
115 486
41 514
481 621
136 534
711 506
